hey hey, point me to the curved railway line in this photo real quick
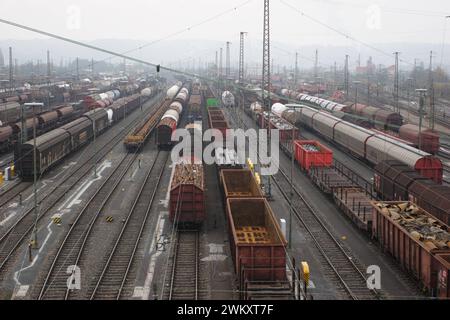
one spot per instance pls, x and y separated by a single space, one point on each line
13 237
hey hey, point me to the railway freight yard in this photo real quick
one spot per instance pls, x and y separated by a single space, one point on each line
181 169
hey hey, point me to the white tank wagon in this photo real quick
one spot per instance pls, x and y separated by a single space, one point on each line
228 99
172 92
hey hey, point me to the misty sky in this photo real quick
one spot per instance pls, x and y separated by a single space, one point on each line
376 21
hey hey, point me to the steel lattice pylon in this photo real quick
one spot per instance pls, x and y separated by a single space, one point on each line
266 57
241 58
266 72
227 71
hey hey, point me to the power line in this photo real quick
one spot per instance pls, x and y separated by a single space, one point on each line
186 29
347 36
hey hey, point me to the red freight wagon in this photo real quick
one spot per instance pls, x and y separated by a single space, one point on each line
429 138
419 242
222 126
187 200
257 244
310 153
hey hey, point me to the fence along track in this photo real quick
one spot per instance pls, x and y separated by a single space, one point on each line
111 281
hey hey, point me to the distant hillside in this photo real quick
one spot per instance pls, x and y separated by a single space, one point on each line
183 52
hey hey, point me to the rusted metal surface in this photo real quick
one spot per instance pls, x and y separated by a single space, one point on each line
356 204
239 183
47 118
329 178
265 259
419 242
141 133
394 181
164 131
5 133
187 200
64 111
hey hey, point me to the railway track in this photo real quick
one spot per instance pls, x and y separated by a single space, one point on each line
12 238
343 266
184 279
13 192
69 253
111 282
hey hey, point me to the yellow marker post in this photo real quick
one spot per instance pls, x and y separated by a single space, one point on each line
306 274
258 178
250 164
1 178
12 170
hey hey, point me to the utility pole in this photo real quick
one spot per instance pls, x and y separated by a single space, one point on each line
431 93
241 57
346 76
356 83
49 71
217 64
78 69
227 71
415 73
2 59
422 93
221 63
396 77
296 72
316 63
34 242
266 72
92 66
335 77
16 68
11 73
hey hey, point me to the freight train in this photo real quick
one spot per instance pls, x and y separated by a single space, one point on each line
394 181
409 231
170 120
196 102
361 142
55 145
257 244
45 121
373 117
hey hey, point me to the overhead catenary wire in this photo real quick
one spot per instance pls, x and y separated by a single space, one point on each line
336 30
171 35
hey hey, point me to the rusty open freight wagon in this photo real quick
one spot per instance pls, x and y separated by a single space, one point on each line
257 244
239 183
187 197
417 240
